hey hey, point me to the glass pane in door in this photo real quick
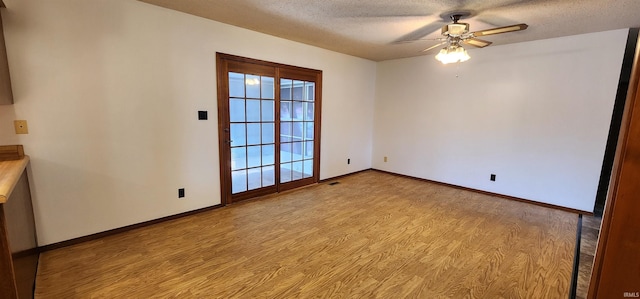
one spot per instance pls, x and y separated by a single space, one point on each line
296 129
252 131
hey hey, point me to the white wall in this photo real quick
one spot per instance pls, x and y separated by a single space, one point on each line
536 114
111 90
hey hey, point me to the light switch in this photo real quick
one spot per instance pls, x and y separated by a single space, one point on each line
21 126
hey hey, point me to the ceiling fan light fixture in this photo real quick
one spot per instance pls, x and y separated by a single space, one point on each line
456 29
453 54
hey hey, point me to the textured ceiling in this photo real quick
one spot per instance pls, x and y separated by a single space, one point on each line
381 29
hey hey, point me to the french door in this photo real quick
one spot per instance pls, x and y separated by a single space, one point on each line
268 126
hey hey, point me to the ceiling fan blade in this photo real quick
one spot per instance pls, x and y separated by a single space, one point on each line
418 40
476 42
420 32
433 47
500 30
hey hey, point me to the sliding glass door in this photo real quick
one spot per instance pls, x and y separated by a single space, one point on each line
268 119
252 130
296 129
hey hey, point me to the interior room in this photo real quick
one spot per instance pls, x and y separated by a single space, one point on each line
126 104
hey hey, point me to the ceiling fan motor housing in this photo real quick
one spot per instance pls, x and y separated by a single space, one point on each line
455 29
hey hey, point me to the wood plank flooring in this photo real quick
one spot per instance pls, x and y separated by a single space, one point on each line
373 235
588 246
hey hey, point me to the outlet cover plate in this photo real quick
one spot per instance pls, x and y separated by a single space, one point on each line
21 126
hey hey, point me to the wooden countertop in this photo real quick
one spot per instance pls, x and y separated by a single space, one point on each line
10 172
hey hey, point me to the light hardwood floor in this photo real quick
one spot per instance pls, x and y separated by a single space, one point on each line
588 245
371 235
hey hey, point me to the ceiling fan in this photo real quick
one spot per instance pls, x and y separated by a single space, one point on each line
458 33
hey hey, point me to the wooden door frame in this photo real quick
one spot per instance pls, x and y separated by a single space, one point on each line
615 263
222 68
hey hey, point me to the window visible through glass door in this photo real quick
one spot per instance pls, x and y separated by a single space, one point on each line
296 129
